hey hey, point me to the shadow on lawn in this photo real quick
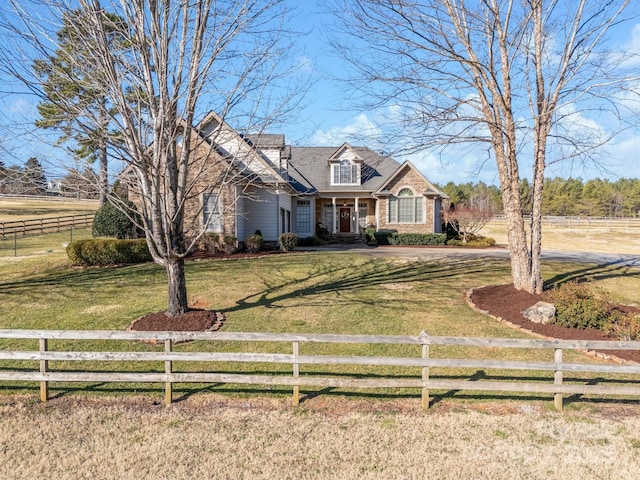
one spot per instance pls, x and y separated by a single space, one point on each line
594 272
353 277
88 277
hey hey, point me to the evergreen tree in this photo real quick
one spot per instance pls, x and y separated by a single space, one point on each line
34 179
74 105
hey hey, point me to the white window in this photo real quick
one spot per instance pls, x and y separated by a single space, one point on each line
362 215
303 216
405 208
212 212
345 173
328 218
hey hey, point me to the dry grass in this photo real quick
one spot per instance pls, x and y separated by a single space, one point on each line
602 240
22 209
209 436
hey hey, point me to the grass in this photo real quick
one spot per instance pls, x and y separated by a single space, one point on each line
24 209
39 245
307 293
216 431
212 437
595 239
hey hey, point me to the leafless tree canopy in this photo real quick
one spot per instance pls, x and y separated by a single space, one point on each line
523 78
466 220
176 61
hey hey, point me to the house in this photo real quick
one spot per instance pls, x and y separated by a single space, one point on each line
249 183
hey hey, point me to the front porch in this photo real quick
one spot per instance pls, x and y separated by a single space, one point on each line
345 218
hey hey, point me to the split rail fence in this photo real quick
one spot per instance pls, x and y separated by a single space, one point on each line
424 362
44 225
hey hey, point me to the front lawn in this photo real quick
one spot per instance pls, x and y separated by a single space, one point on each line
301 292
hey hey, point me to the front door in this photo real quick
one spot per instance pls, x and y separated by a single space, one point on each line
345 219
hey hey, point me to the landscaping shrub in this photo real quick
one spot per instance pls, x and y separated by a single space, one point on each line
288 241
314 241
108 251
322 232
417 239
109 221
254 243
370 232
229 244
623 326
383 236
472 241
580 306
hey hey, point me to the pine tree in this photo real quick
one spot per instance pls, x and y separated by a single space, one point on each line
35 181
74 105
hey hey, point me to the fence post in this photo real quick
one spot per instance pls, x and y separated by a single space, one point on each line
15 243
557 379
296 372
168 386
44 365
425 370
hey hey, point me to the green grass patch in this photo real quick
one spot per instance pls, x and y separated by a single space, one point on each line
340 293
25 208
45 244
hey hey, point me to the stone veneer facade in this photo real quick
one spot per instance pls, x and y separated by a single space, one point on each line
408 178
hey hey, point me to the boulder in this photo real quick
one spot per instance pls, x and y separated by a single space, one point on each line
541 312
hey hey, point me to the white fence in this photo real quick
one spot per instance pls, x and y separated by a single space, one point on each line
211 351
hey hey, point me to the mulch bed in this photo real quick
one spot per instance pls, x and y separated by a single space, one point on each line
507 303
195 320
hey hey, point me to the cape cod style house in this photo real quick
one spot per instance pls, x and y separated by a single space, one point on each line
249 183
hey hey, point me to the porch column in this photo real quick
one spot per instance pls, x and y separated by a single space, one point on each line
356 227
333 215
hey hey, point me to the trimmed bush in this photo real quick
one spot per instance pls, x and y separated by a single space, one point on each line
623 326
254 243
322 232
109 221
579 306
370 232
108 251
288 241
383 237
314 241
418 239
472 241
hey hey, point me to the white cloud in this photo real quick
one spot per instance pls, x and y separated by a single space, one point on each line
356 132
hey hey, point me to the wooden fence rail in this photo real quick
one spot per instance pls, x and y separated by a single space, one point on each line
43 225
631 224
424 362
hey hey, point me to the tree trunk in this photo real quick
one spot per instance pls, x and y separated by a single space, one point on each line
103 179
177 304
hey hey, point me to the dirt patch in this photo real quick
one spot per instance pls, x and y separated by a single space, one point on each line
195 320
506 303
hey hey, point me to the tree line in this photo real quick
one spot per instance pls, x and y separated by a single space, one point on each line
31 179
560 196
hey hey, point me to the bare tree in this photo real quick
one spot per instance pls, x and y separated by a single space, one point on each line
466 220
177 60
517 75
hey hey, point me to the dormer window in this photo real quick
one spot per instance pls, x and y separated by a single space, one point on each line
345 173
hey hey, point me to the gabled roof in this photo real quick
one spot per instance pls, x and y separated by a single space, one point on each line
345 147
312 164
430 191
230 145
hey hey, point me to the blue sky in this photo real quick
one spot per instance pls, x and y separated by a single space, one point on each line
328 118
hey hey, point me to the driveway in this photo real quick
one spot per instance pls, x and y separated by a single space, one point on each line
426 253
